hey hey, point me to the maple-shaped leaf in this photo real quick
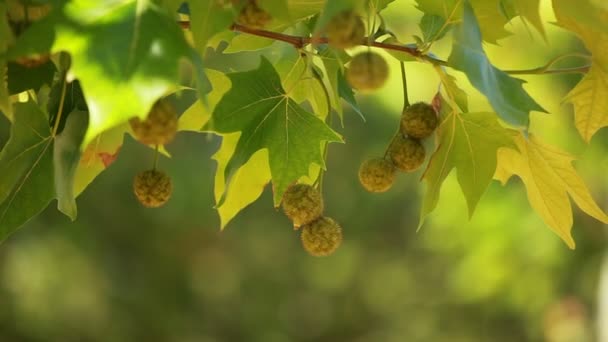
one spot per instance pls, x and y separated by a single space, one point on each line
505 93
468 143
26 179
590 96
125 54
527 9
549 178
258 107
490 16
208 18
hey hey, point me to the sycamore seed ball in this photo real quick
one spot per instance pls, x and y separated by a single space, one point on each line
419 120
321 237
377 175
302 204
152 188
345 30
160 126
407 154
367 71
252 15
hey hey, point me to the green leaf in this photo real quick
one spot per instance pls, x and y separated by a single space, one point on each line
528 9
549 178
115 55
208 18
505 93
197 115
297 76
455 94
26 180
278 9
468 143
491 19
379 5
22 78
257 106
66 157
433 27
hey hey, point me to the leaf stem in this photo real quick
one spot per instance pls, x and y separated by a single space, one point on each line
60 110
406 101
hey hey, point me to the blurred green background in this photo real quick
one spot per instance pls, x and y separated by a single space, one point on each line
125 273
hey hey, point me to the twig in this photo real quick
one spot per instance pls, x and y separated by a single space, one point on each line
299 42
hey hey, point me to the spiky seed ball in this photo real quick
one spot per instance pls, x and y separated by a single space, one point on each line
419 120
367 71
252 15
407 154
152 188
302 204
346 29
321 237
160 126
377 174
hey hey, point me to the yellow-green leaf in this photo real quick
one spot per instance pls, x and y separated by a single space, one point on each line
590 96
590 101
549 178
247 183
468 143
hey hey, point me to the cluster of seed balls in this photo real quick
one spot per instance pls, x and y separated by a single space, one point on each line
152 187
320 235
405 152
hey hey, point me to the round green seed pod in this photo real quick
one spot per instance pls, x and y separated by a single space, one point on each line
159 128
302 204
419 120
252 15
345 30
367 71
407 154
377 174
321 237
152 188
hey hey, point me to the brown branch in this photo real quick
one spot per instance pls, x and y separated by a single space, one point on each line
299 42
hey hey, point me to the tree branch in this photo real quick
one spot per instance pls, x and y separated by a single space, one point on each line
299 42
